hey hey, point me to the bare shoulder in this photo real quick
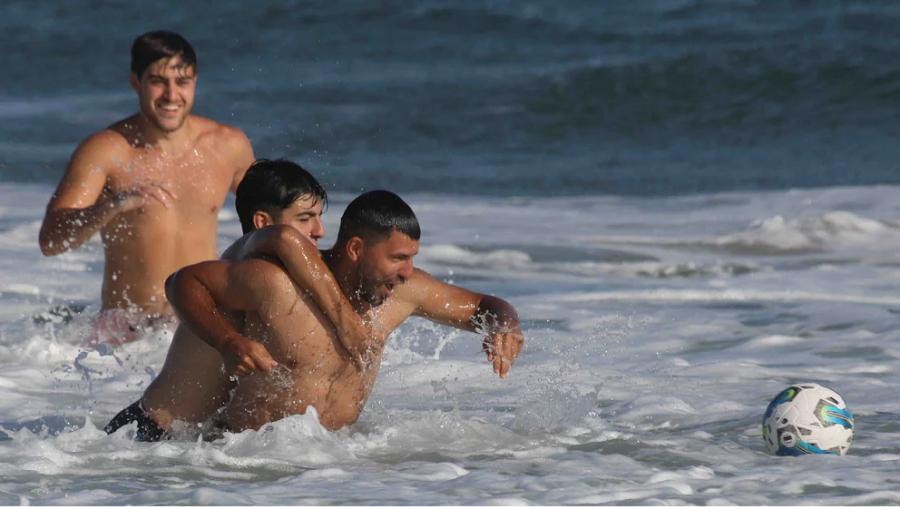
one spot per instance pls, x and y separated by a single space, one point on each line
108 145
215 132
262 277
422 280
233 252
229 144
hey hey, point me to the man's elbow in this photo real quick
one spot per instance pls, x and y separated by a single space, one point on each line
49 247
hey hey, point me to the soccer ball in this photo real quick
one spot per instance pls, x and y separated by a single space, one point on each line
807 419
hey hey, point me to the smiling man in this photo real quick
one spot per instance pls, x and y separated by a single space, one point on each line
152 185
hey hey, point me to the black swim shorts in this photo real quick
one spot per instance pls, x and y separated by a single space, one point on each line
147 429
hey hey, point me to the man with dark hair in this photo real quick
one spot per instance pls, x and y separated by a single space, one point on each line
272 188
372 264
152 185
153 46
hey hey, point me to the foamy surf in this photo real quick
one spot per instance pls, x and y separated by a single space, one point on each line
647 367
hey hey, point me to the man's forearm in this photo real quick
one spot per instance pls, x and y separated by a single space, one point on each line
200 308
68 228
196 308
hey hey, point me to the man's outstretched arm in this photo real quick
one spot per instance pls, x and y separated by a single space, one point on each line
465 309
303 263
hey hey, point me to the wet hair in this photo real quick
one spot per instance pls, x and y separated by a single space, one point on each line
272 186
374 215
153 46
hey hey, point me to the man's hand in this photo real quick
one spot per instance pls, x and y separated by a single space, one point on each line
502 348
244 356
137 197
67 227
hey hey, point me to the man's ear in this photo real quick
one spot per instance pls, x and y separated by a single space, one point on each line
262 219
135 82
355 247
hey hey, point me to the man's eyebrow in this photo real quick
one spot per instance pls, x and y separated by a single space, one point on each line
180 73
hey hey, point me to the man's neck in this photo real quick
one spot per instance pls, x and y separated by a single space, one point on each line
149 135
347 279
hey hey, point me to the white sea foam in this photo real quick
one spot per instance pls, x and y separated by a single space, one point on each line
657 331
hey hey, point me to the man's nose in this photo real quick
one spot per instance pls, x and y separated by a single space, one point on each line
169 92
318 230
406 270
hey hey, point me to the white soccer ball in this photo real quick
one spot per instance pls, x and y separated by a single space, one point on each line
807 419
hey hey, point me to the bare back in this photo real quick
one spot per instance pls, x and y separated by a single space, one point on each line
315 368
192 384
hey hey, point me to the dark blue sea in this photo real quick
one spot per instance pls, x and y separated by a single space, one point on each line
488 97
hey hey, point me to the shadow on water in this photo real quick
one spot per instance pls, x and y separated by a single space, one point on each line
422 456
767 319
715 345
48 425
555 253
876 433
648 454
868 353
545 324
732 305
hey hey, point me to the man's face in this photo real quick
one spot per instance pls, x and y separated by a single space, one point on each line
166 92
305 215
384 265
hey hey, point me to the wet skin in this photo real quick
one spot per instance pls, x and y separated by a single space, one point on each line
314 367
193 384
152 185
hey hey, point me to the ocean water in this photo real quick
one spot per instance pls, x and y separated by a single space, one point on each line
657 331
691 205
489 97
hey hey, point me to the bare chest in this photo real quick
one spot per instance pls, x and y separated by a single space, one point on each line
195 183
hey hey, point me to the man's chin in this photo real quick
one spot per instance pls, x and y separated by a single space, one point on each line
169 126
377 298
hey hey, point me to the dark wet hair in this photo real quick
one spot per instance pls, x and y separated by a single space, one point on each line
374 215
271 186
153 46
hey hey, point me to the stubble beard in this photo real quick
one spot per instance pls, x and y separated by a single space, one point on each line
159 124
366 290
